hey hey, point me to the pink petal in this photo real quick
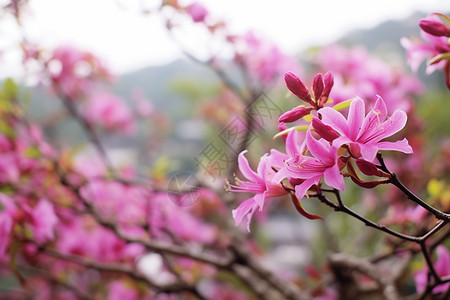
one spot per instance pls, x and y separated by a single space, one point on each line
368 151
246 208
277 158
318 150
333 178
333 118
375 131
355 118
245 169
306 168
301 189
443 261
262 166
259 199
401 146
393 125
372 124
280 175
341 141
294 143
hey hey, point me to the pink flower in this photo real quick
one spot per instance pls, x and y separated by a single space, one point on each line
263 59
442 266
198 12
324 163
357 72
435 46
43 221
119 290
260 183
363 135
6 224
73 71
110 112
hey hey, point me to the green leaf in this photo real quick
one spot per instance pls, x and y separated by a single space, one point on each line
33 152
286 131
6 130
10 89
343 105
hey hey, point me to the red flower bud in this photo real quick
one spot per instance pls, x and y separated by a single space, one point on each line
282 127
298 205
367 184
434 28
318 86
325 131
368 168
295 114
296 86
328 81
354 150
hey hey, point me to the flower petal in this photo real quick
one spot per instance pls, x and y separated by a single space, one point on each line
245 169
294 143
334 119
301 189
246 208
355 118
401 146
319 150
333 178
368 151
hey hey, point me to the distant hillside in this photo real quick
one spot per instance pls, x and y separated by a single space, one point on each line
156 82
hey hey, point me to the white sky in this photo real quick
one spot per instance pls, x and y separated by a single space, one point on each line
129 41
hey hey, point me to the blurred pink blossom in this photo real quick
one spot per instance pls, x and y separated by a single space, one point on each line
198 12
43 221
358 73
110 112
73 72
434 46
442 266
263 59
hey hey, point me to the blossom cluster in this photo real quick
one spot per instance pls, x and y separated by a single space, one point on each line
333 147
434 46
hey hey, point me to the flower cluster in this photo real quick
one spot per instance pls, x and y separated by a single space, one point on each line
329 150
435 45
358 72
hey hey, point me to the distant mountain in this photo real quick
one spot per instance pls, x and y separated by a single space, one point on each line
156 83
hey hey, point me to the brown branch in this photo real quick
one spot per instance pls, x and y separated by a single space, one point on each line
173 287
386 283
286 288
410 195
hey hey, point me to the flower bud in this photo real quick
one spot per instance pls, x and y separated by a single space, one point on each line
282 127
318 86
328 81
434 28
368 184
325 131
198 12
298 205
354 150
368 168
296 86
295 114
